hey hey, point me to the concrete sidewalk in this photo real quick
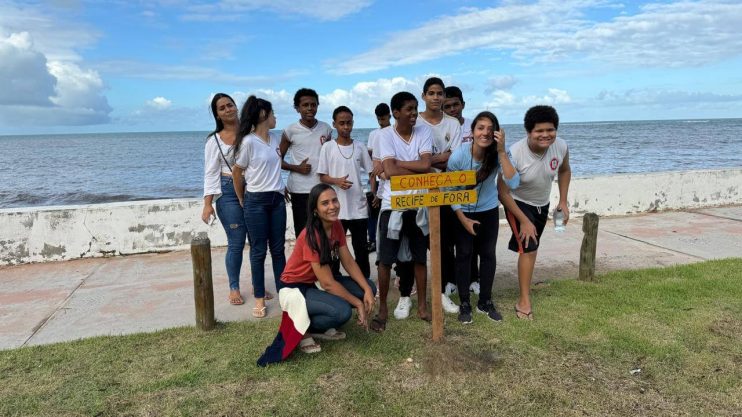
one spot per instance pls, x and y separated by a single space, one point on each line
60 301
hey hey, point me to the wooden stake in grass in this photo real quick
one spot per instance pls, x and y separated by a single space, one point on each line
203 289
589 247
434 223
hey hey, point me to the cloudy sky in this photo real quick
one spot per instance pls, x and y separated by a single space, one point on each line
134 65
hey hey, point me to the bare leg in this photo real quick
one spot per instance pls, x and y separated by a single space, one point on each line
421 279
385 272
526 263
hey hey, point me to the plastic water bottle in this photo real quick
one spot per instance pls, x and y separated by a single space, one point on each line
558 220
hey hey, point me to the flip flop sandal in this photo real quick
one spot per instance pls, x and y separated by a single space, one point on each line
236 300
528 316
258 312
309 346
330 334
378 325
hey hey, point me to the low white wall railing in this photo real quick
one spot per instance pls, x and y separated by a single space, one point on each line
42 234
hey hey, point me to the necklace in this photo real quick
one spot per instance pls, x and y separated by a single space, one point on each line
353 150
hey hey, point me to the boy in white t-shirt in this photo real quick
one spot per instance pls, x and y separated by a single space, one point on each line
404 149
538 159
383 116
446 138
453 106
304 139
340 164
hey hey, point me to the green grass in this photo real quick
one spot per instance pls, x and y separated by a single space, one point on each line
681 325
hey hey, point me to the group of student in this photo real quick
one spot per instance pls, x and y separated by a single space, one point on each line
243 163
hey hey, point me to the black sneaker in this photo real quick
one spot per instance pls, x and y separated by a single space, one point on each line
489 309
371 246
465 313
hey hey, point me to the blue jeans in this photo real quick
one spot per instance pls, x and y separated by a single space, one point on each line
327 311
231 216
265 217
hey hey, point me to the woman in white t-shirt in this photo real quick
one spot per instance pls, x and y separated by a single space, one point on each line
219 158
261 193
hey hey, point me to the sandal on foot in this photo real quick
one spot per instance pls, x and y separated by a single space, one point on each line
330 334
258 312
235 298
378 325
523 315
308 345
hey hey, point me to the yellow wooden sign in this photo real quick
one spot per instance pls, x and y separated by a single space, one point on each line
444 198
433 180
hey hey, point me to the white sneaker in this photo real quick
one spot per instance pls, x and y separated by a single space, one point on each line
474 287
450 289
449 306
403 308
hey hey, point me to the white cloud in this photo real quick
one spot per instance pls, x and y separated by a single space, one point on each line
36 90
150 71
159 103
650 96
504 100
24 78
238 9
686 33
363 97
503 82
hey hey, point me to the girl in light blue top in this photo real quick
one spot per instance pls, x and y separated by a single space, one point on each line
479 222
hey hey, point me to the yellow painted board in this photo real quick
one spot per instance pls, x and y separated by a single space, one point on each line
433 180
443 198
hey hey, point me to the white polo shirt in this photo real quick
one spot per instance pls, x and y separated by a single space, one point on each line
261 162
305 143
338 160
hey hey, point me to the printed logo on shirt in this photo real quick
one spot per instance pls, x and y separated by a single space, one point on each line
553 164
468 138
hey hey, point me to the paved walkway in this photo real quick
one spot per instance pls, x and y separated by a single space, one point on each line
53 302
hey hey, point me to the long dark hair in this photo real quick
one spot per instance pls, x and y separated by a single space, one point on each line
250 117
490 161
314 229
219 123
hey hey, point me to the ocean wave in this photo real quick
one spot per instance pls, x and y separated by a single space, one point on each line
25 199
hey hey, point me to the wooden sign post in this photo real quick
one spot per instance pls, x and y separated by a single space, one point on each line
434 199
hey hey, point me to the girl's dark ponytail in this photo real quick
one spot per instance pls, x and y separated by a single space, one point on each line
251 117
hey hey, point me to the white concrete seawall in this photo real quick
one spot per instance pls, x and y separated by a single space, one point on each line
44 234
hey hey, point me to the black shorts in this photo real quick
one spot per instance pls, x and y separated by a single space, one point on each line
537 216
388 248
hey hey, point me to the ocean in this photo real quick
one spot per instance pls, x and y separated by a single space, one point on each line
44 170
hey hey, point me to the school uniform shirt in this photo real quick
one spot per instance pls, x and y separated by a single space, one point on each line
466 135
214 164
391 145
446 134
306 143
373 139
536 172
298 268
261 162
487 196
338 160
